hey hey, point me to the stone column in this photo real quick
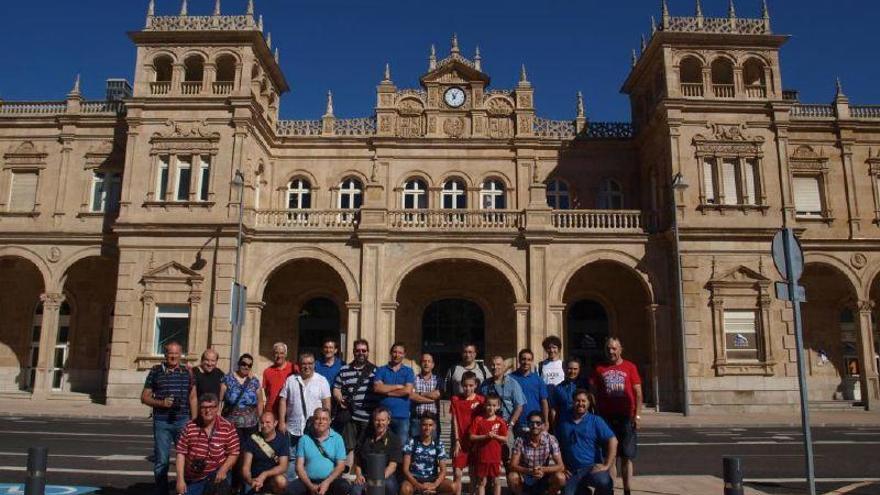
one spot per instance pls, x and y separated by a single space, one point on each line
651 316
386 332
522 324
353 330
250 338
48 336
868 375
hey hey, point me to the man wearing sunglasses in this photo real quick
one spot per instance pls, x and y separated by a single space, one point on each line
583 438
352 390
207 450
531 470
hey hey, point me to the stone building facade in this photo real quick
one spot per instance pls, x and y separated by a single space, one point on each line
454 213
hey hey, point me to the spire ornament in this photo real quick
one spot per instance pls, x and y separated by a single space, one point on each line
644 45
523 77
838 88
432 59
260 23
329 111
765 14
250 8
277 56
731 9
635 58
454 44
664 16
76 86
387 73
269 40
151 8
184 8
653 26
478 60
216 8
580 105
698 11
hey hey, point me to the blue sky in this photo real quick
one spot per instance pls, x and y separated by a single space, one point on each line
567 45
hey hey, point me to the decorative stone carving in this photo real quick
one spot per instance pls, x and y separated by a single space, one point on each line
805 158
410 126
186 136
385 124
451 77
729 139
26 154
54 254
500 127
858 261
454 127
524 100
410 107
499 107
432 125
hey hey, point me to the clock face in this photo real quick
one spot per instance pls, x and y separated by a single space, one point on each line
454 97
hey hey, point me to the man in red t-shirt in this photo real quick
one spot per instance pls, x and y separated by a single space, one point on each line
618 390
276 375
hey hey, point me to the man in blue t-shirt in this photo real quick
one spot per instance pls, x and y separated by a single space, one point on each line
266 456
394 383
329 364
320 460
562 395
534 389
583 437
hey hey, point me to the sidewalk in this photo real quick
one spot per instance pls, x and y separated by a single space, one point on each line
650 419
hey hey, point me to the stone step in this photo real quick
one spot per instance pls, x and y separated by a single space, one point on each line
835 405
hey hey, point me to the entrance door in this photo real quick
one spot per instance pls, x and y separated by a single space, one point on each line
587 325
318 320
446 325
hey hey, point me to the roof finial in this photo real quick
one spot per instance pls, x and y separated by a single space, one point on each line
523 77
644 45
329 111
250 8
699 9
454 43
387 73
216 7
635 58
731 9
664 15
478 60
260 23
184 10
269 40
653 26
432 59
838 88
151 8
277 56
765 11
580 105
76 84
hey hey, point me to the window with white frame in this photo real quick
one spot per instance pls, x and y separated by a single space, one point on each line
454 195
730 181
415 195
558 196
61 349
610 195
34 357
492 195
171 324
807 196
184 179
204 180
741 334
162 178
23 193
351 194
105 192
299 194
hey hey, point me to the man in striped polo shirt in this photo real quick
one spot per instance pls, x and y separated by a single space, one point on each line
166 390
208 448
352 390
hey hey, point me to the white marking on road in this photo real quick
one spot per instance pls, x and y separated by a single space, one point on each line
818 480
77 456
122 457
860 433
849 488
781 437
109 472
818 442
76 434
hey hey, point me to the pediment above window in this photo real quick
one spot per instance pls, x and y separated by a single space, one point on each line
805 158
171 272
185 137
26 155
728 139
741 276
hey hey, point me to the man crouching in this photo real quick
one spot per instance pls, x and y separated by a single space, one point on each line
266 456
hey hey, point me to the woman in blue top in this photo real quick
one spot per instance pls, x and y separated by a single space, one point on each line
243 402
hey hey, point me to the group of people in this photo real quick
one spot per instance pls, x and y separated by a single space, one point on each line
301 427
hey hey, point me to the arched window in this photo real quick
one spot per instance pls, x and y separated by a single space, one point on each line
722 78
415 195
193 75
493 195
610 195
454 195
755 78
691 76
299 195
162 66
350 194
226 68
558 196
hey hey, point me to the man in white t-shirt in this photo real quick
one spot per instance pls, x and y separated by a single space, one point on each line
307 388
551 369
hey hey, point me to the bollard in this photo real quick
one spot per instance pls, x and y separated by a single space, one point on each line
733 476
38 459
375 473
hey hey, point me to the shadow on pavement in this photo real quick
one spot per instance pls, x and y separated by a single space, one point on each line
135 489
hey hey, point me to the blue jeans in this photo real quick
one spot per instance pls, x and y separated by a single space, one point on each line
391 487
584 478
415 429
400 427
199 487
164 437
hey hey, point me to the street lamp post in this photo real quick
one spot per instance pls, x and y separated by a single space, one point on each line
679 185
238 182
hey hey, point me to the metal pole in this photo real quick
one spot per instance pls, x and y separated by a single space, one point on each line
799 342
236 325
655 382
37 461
733 476
685 408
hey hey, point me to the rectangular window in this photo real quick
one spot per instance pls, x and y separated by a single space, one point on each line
99 192
807 197
750 170
728 180
204 178
162 180
23 196
172 323
741 335
184 171
709 180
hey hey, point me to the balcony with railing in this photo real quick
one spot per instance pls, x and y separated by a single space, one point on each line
455 220
612 221
724 90
756 91
223 87
327 220
692 90
191 87
160 88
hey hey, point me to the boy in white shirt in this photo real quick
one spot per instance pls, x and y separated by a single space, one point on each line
551 370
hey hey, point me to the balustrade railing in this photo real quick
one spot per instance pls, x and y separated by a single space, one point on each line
724 90
191 88
865 111
692 89
307 219
160 88
223 87
756 91
455 219
812 111
102 107
599 220
33 107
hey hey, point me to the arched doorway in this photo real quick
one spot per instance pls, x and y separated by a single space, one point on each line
587 331
318 320
446 325
18 307
303 300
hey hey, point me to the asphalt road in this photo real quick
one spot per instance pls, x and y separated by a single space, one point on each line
113 454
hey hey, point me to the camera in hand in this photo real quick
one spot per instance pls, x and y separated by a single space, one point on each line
198 465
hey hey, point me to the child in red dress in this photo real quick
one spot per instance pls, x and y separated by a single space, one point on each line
488 435
464 408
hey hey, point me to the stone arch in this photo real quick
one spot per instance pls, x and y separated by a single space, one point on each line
690 69
18 309
414 174
560 282
33 257
273 263
465 253
456 174
682 56
74 258
496 174
302 174
349 174
846 270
